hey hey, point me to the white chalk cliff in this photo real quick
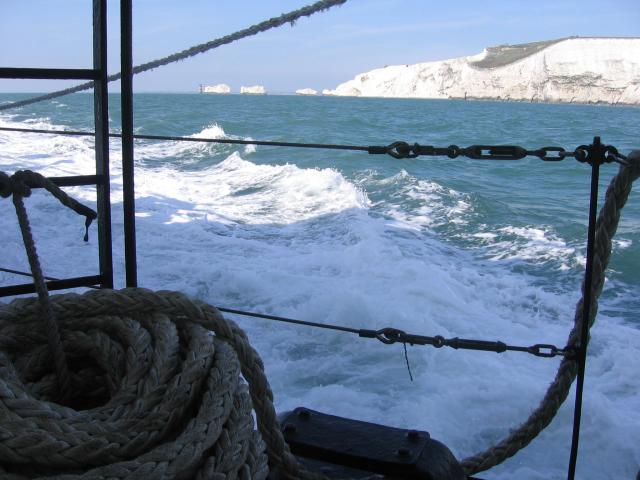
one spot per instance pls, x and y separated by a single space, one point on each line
255 90
306 91
581 70
220 88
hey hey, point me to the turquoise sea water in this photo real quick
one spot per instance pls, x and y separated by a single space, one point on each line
476 249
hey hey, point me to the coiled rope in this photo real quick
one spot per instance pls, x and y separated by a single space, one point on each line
274 22
155 396
606 226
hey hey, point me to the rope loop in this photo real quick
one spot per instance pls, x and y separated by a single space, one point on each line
390 335
615 198
453 151
439 341
13 185
6 188
17 186
401 150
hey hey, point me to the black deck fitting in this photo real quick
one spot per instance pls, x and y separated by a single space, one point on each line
341 447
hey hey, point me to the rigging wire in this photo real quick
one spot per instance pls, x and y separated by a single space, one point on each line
290 17
398 150
80 133
389 335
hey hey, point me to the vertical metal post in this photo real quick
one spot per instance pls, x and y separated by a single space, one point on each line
128 188
101 119
596 158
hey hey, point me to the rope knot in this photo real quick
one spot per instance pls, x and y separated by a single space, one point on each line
13 185
633 163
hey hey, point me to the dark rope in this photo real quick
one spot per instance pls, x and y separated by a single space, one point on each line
17 186
406 359
615 198
275 22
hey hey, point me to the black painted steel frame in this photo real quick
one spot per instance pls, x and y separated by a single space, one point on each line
101 116
126 98
596 157
101 178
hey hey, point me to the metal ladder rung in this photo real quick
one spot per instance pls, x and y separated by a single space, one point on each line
21 289
51 73
100 180
75 181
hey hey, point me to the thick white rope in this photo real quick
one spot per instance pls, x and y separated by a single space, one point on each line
290 17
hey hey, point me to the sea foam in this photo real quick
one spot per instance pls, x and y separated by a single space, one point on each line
311 243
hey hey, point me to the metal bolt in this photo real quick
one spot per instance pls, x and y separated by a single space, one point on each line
403 452
289 428
304 414
413 436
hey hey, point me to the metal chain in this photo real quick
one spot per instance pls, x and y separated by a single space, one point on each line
399 150
402 150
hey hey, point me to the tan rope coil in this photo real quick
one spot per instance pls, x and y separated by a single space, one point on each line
165 395
606 226
150 392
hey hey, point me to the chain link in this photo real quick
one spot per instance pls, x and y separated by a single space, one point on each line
390 335
402 150
599 153
399 150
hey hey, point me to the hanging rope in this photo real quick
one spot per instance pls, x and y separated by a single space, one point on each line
607 224
16 186
275 22
154 395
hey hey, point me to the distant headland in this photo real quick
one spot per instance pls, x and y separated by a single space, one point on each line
572 70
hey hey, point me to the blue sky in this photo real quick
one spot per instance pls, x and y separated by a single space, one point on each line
319 52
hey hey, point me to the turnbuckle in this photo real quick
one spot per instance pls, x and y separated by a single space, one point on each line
401 150
494 152
390 336
545 350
